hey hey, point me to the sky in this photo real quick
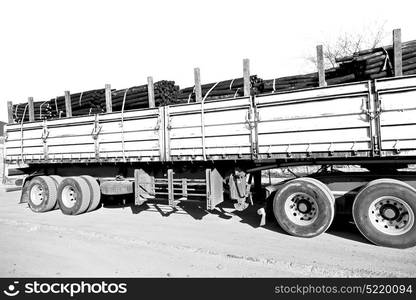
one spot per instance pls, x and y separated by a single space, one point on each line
50 46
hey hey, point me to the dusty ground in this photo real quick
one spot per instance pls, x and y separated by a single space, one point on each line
121 241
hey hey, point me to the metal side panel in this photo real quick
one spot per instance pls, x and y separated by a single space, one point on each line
315 93
397 115
394 83
131 136
216 130
333 122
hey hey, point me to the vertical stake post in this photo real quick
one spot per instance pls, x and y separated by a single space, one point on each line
321 66
151 92
68 106
198 88
31 109
10 111
246 77
108 100
397 50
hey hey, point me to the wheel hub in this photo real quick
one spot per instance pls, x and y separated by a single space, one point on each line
301 208
69 196
36 194
391 215
304 206
389 212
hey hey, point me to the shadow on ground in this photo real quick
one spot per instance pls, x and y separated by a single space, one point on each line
342 227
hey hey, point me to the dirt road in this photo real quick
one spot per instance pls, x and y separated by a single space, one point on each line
121 241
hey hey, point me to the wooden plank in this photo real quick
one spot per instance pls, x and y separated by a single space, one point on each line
219 142
218 130
198 89
396 83
309 94
10 112
323 147
31 108
246 76
398 100
108 100
320 123
320 64
331 107
68 107
313 137
398 117
220 151
397 50
211 105
151 92
219 118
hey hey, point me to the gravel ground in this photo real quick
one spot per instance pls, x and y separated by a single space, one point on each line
154 242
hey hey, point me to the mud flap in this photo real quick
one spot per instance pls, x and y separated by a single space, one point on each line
215 190
24 195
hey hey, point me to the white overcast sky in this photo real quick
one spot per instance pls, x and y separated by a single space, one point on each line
49 46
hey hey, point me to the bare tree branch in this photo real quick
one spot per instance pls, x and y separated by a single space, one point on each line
347 44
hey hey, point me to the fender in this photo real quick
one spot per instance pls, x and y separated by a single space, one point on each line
24 195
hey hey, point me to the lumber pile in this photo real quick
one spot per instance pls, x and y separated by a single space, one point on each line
378 62
93 102
137 97
223 89
84 103
363 65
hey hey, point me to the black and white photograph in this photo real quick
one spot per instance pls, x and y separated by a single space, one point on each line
257 149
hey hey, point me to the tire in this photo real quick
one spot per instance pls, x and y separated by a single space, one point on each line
95 192
304 207
42 193
73 195
57 180
384 212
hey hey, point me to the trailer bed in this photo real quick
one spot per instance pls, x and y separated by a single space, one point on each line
369 119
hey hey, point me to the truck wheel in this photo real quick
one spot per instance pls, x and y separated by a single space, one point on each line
95 192
384 212
73 195
304 207
57 179
42 194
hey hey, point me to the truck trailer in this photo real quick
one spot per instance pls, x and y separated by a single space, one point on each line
213 151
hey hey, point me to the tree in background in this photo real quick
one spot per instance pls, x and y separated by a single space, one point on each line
348 43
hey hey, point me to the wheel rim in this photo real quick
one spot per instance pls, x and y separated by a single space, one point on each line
301 208
391 215
69 196
36 194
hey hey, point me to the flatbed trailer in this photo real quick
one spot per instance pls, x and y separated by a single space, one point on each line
192 152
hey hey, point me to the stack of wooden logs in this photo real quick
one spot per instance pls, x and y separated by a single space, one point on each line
165 93
42 111
378 62
363 65
85 103
332 76
223 89
93 102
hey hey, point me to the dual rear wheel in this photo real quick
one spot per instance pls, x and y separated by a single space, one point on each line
304 207
73 195
384 210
